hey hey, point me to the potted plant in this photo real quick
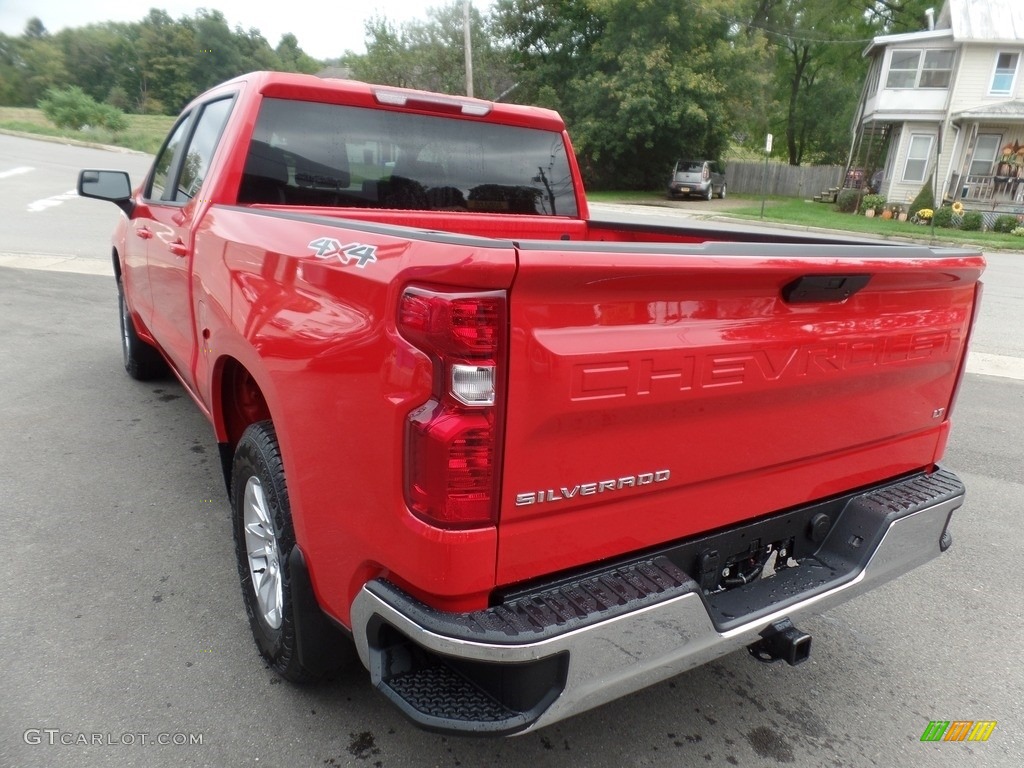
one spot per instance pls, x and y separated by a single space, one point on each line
872 204
1008 161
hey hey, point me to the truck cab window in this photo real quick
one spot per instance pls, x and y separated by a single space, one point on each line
179 172
165 160
201 149
308 153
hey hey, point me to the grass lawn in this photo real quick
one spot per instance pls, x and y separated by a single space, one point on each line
144 133
799 212
824 215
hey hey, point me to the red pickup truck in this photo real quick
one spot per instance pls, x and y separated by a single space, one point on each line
527 461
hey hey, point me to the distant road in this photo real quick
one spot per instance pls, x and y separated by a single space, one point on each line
43 218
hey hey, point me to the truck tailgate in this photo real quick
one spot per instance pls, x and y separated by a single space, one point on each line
654 396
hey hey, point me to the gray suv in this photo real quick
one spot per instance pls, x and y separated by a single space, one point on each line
697 177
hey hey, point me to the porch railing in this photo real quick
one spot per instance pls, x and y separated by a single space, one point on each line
990 188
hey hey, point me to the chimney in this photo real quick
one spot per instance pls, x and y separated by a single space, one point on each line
930 13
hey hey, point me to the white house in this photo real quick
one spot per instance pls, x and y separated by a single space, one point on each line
948 100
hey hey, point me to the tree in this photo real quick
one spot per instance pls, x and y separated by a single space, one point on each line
155 65
817 71
218 55
10 79
548 42
35 30
429 55
893 17
93 56
292 58
388 59
165 51
640 83
39 63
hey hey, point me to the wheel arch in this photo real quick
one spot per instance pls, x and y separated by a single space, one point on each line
238 401
322 643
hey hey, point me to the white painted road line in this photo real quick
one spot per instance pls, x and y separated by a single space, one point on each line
996 365
50 202
15 171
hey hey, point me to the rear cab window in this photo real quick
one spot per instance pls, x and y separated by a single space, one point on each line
310 153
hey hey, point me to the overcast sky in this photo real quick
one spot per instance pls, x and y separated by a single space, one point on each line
325 30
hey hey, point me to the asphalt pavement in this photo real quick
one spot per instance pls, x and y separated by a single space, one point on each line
121 619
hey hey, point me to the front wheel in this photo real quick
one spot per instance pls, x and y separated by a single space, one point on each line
141 361
264 539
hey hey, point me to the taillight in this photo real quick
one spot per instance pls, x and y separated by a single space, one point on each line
707 173
452 440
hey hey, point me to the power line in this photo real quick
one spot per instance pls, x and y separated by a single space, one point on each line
787 35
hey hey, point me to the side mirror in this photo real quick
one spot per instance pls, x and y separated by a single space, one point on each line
107 185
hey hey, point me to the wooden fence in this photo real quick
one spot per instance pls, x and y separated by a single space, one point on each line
745 177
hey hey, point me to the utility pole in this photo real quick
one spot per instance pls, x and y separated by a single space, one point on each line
764 173
469 48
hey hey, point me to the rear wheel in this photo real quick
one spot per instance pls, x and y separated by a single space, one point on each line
264 539
721 192
141 360
710 193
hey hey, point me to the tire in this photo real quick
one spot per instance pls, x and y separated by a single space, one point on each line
264 539
710 193
721 192
141 360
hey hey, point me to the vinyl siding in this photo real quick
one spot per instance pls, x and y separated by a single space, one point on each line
977 65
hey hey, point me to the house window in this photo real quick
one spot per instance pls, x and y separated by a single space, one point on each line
920 69
874 75
984 155
1006 71
917 157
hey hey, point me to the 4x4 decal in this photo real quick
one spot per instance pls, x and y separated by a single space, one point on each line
328 247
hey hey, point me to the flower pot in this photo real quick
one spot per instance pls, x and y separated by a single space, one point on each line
870 213
903 216
886 215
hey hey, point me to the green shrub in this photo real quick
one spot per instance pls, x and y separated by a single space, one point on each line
873 202
943 217
111 118
926 197
849 200
971 221
1005 223
74 108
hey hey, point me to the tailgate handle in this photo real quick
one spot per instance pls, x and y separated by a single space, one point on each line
820 288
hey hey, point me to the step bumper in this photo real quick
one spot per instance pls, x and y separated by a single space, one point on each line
565 648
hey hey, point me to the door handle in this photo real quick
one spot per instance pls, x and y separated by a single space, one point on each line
178 248
823 288
144 233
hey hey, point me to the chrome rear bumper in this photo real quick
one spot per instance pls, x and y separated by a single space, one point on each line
555 652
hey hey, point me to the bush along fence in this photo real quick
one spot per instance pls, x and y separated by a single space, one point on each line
953 216
745 177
